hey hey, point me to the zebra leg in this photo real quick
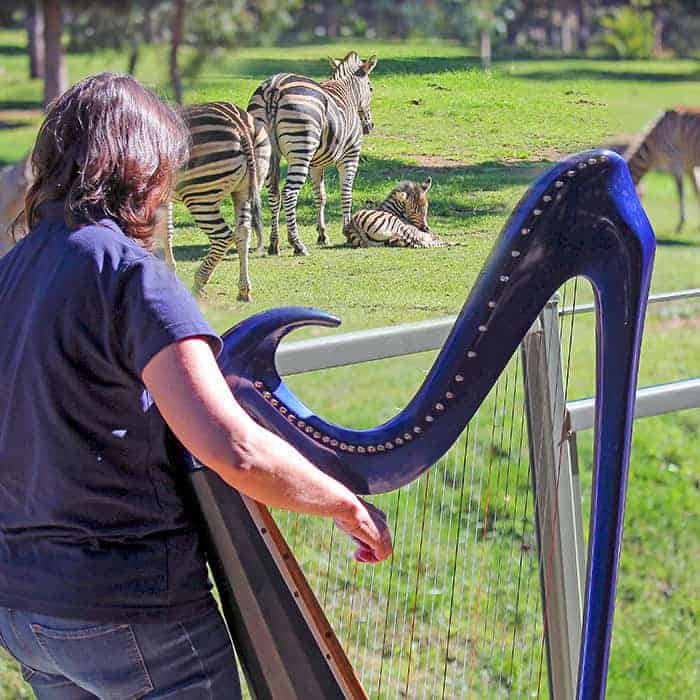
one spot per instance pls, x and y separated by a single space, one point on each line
208 217
242 206
164 230
681 199
273 189
695 179
347 168
296 176
320 202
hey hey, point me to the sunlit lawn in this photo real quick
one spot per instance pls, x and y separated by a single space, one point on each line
483 137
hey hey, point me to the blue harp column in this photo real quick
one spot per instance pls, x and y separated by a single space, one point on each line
582 217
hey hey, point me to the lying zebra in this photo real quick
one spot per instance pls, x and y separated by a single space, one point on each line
400 220
229 155
314 126
671 143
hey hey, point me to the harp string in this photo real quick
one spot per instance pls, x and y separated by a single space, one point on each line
473 634
417 586
454 564
385 620
506 498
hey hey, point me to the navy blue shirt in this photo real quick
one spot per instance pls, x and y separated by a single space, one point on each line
92 521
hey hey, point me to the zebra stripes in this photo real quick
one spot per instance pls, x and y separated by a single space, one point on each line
314 126
672 144
400 220
229 154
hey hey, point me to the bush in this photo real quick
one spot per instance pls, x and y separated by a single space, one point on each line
628 33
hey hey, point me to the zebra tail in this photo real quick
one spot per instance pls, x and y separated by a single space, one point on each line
248 146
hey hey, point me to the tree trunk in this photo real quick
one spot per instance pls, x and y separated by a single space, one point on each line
133 58
176 40
486 49
55 73
148 22
35 39
569 30
584 25
658 35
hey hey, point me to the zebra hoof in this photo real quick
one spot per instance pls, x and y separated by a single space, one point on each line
301 250
323 240
273 250
243 295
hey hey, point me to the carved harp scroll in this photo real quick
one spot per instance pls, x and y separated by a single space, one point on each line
580 218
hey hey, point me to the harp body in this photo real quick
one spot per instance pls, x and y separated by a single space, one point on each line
580 218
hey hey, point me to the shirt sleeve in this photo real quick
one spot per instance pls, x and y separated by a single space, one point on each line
154 310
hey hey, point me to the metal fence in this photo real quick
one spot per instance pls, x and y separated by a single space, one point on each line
553 425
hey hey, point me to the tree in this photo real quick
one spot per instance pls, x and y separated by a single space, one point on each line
35 39
178 27
55 72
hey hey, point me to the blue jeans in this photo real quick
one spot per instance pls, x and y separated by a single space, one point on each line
76 659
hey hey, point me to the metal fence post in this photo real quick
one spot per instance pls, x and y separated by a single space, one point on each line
557 501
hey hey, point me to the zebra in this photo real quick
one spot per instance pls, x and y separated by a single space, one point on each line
314 126
671 143
229 154
400 220
14 183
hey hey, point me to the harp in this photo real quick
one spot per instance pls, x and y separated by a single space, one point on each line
582 218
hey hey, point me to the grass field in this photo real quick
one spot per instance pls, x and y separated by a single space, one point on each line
483 137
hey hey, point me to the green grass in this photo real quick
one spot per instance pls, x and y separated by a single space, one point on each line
483 137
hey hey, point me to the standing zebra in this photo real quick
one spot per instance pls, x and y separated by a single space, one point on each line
314 125
671 143
229 154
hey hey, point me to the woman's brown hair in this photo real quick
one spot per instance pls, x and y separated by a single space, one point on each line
107 148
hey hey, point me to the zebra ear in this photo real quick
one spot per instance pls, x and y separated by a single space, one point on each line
335 62
370 64
401 196
427 184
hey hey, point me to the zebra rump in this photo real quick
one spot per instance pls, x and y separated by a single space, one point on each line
671 143
229 155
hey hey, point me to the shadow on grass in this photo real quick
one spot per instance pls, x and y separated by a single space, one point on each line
8 50
454 189
318 69
21 104
675 243
450 183
9 125
604 74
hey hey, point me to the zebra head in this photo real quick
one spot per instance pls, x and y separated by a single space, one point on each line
409 201
354 72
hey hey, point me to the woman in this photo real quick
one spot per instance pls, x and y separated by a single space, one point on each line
103 585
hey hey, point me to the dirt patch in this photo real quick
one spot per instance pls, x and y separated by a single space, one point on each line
427 161
25 115
672 324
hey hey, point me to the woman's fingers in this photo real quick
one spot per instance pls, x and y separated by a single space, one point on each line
370 530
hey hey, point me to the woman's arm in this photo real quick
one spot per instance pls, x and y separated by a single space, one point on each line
195 401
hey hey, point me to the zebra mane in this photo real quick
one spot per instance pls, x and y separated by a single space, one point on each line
403 186
346 66
635 146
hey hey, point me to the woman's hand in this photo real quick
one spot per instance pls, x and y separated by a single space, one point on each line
195 401
369 529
